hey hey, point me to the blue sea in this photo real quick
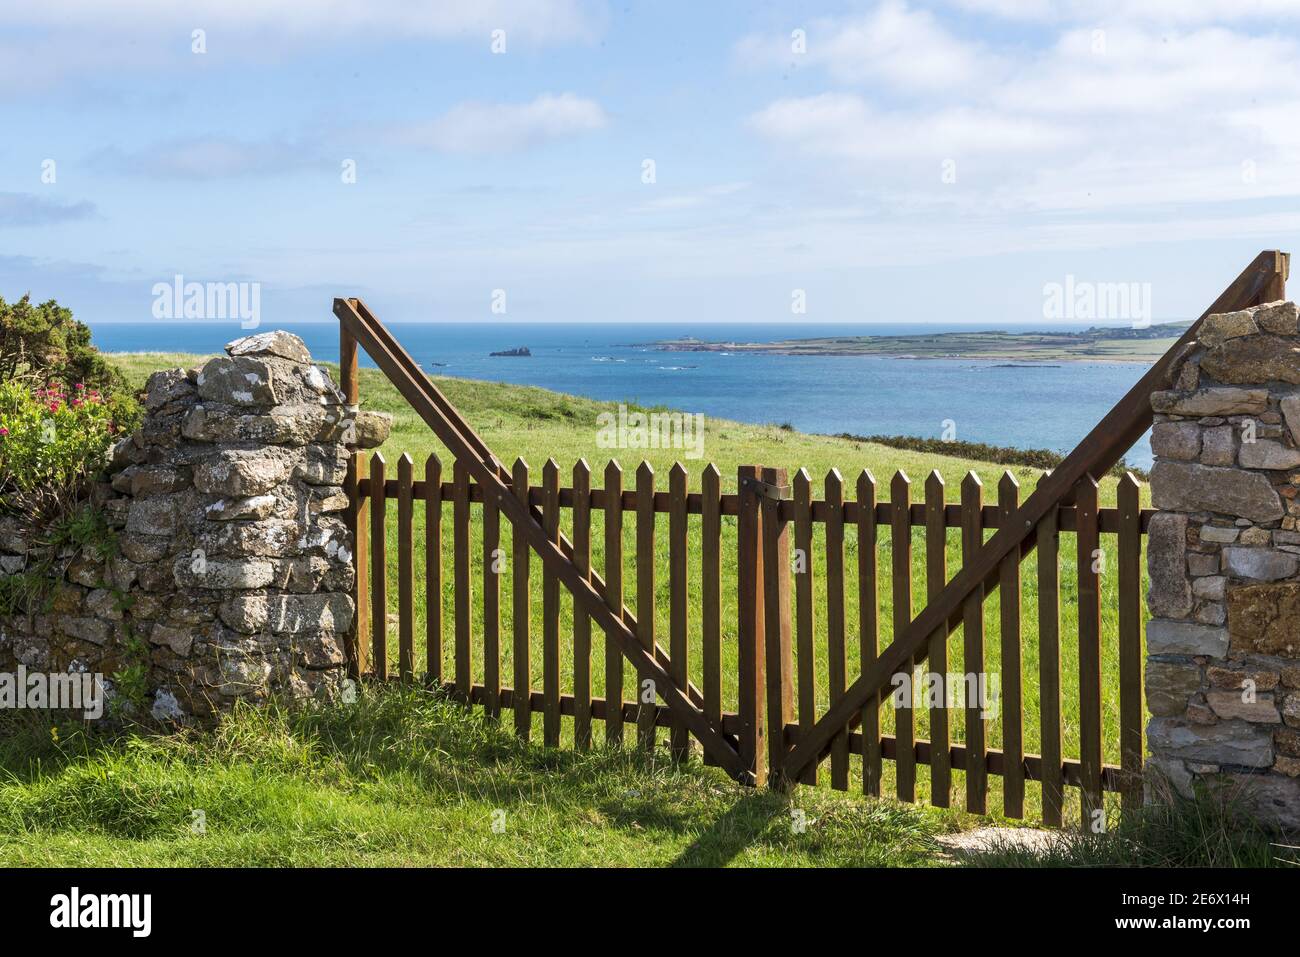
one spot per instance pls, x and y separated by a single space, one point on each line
1025 406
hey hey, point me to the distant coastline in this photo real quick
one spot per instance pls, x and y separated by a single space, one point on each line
1119 344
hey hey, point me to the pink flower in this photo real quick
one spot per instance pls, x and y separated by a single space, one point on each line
3 431
80 386
76 403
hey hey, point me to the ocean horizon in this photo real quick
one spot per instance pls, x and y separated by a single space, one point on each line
1022 405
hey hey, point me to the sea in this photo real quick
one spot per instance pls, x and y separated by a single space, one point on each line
1023 405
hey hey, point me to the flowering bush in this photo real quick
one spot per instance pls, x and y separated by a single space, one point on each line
52 439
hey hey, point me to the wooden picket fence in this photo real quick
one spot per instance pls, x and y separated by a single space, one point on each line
768 730
787 698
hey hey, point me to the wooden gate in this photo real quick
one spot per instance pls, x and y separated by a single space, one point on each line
784 663
988 565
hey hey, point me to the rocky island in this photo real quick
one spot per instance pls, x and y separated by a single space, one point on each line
1119 344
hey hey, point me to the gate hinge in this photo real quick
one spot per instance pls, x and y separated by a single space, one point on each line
765 489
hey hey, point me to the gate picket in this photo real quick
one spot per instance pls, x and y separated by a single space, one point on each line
869 628
1049 667
378 569
973 649
491 611
551 610
711 594
433 570
1129 544
836 652
405 570
646 711
1090 558
804 610
614 600
1013 735
462 581
900 495
936 576
679 639
521 613
581 620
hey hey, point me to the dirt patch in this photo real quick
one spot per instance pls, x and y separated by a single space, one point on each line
986 839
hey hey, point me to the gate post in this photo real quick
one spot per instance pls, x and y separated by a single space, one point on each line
763 595
355 640
751 626
776 617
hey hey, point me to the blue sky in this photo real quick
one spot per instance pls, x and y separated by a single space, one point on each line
897 161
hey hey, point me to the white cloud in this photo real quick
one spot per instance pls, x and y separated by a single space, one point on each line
1139 71
26 209
479 128
902 46
847 126
1138 116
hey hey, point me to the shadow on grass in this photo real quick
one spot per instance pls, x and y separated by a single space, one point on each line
747 822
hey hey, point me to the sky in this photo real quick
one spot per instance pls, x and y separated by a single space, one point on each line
566 160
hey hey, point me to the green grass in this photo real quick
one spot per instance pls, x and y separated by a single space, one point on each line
407 778
1200 831
537 424
404 777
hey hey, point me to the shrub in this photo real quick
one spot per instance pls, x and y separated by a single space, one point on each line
61 404
1033 458
52 442
43 343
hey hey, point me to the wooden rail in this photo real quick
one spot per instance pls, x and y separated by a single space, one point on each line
729 505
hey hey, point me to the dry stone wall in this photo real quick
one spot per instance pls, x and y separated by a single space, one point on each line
233 570
1223 642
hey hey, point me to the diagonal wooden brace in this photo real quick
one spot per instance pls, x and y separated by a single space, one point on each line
1264 280
487 471
481 450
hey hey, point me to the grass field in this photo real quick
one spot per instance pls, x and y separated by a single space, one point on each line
404 778
536 424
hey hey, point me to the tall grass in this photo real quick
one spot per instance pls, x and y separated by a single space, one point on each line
405 777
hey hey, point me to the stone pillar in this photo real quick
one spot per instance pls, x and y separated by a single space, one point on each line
233 568
1223 642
